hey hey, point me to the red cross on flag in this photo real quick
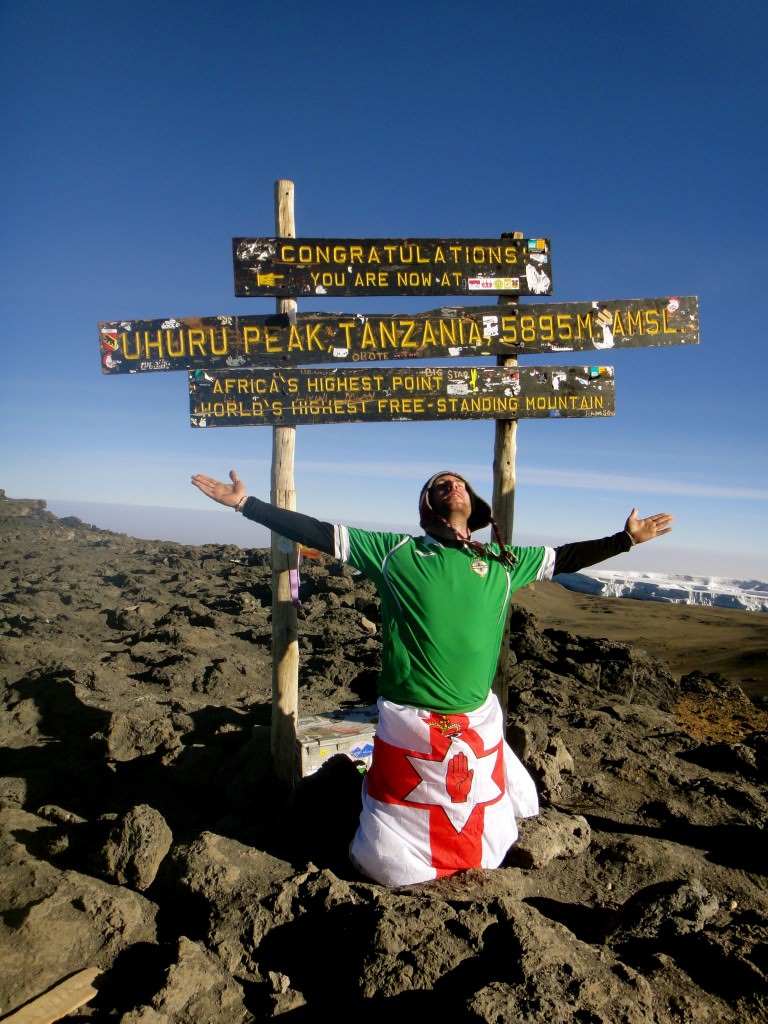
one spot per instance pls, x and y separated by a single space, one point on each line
441 796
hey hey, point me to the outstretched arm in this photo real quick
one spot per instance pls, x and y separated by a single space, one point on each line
294 525
572 557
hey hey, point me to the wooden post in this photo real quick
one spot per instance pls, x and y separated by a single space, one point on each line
285 645
504 454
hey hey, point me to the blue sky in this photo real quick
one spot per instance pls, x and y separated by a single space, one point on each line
140 138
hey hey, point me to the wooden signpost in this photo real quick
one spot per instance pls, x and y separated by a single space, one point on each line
303 267
285 630
355 395
226 342
243 370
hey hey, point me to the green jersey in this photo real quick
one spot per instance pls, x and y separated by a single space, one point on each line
443 613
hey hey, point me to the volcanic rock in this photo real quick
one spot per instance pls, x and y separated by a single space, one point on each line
142 831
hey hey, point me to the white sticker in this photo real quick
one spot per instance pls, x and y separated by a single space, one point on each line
490 326
538 282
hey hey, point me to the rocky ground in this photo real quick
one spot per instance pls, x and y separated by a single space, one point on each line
141 831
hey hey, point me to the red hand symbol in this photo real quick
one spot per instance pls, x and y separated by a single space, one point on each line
458 780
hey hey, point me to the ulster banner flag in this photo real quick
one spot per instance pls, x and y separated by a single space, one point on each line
441 796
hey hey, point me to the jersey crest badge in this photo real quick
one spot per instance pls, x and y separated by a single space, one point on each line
479 566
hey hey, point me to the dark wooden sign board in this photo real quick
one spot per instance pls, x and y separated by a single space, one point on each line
227 342
250 397
303 267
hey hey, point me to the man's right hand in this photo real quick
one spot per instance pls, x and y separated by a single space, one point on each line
225 494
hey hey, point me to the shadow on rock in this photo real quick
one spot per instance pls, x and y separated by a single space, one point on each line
64 762
323 814
743 847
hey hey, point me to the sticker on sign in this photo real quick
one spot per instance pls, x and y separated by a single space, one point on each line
493 284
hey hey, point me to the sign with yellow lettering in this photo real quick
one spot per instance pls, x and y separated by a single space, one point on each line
227 342
251 397
303 267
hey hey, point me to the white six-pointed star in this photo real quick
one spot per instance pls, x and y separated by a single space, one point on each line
434 783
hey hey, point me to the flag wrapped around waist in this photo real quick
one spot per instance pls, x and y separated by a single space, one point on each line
441 796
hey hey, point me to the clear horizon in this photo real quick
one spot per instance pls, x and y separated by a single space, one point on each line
216 525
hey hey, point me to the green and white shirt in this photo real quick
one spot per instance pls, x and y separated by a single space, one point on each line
443 613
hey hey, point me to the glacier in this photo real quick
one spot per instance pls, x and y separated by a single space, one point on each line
708 591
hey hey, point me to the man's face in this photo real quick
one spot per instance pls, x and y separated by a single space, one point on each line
449 494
